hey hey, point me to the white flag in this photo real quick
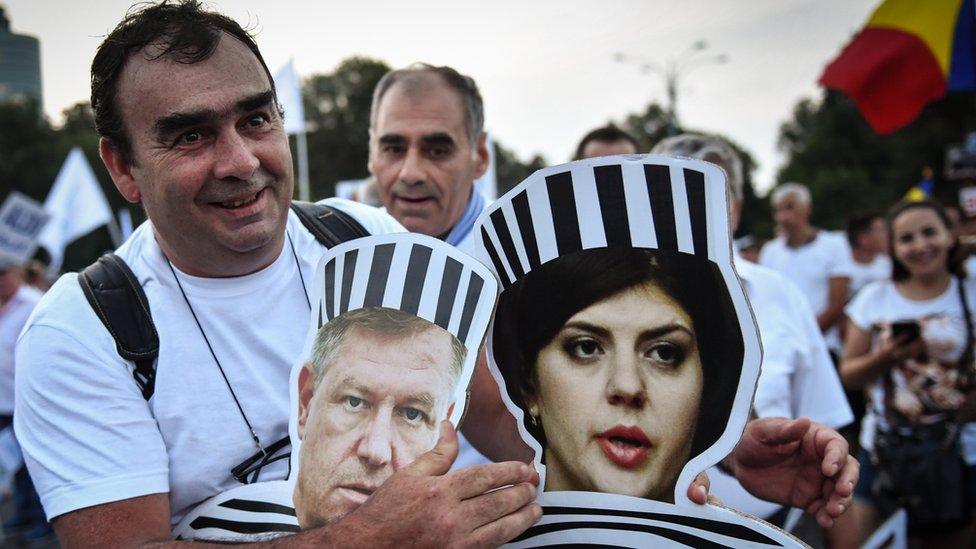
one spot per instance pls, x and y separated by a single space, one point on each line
76 204
289 89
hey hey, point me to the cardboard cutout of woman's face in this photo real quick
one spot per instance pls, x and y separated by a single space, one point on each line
622 341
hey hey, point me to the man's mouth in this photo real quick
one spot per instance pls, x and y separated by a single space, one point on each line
239 202
627 447
358 492
414 199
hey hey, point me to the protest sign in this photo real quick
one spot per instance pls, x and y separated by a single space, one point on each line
625 347
21 221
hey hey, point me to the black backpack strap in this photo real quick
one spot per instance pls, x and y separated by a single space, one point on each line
330 226
117 298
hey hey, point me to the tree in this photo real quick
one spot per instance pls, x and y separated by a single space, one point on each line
831 149
337 109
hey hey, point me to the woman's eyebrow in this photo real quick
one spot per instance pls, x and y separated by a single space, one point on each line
587 327
659 331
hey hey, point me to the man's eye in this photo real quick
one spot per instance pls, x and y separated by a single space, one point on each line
439 152
257 120
354 402
413 414
665 353
584 348
393 149
190 138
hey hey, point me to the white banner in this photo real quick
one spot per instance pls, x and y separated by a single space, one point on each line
21 220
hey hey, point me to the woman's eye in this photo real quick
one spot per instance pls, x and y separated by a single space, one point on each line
584 348
666 353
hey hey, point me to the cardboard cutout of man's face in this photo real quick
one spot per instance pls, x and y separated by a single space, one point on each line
396 326
374 409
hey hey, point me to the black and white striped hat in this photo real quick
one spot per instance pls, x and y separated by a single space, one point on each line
412 273
644 201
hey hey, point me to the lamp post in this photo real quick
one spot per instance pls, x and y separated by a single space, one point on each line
674 69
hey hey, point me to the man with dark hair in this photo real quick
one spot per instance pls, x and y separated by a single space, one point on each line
868 239
191 130
606 141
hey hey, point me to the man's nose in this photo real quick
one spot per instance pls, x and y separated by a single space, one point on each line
412 171
376 445
625 385
234 158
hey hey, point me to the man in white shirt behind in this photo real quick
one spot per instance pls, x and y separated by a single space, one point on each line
817 261
798 377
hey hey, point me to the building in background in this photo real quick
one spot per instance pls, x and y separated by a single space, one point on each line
20 65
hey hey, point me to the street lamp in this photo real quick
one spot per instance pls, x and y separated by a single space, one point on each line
673 70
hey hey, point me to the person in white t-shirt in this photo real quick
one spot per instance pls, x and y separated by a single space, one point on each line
17 300
798 378
191 129
817 261
868 241
910 344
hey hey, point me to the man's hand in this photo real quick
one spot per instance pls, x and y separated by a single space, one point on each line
425 505
799 463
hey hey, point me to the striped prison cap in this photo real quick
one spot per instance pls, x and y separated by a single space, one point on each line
637 201
412 273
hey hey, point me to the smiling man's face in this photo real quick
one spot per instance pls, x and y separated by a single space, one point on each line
210 161
376 409
421 156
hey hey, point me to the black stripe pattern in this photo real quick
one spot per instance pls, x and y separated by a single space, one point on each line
430 280
521 232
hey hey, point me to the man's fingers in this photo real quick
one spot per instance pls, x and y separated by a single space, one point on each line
504 529
698 491
438 460
848 476
487 508
476 480
778 431
834 450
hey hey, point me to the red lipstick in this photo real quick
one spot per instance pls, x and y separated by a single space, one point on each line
625 446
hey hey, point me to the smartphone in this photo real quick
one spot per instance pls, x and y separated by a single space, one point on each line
909 327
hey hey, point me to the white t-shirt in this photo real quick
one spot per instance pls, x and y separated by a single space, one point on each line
13 316
798 378
944 331
87 434
811 267
863 274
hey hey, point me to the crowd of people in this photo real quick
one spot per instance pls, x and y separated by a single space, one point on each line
868 341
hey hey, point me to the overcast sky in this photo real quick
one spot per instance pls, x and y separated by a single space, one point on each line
546 68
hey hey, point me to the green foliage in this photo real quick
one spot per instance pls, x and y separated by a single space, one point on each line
831 149
337 111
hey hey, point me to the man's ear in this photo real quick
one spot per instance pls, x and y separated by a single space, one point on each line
120 169
306 389
450 411
482 156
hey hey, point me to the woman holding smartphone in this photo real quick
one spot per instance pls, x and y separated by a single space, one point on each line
910 345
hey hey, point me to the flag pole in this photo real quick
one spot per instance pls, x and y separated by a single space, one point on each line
302 146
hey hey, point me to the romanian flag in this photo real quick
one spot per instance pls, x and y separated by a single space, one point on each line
909 53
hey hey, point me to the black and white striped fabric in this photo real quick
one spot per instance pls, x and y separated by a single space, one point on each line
248 513
640 201
602 521
413 273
